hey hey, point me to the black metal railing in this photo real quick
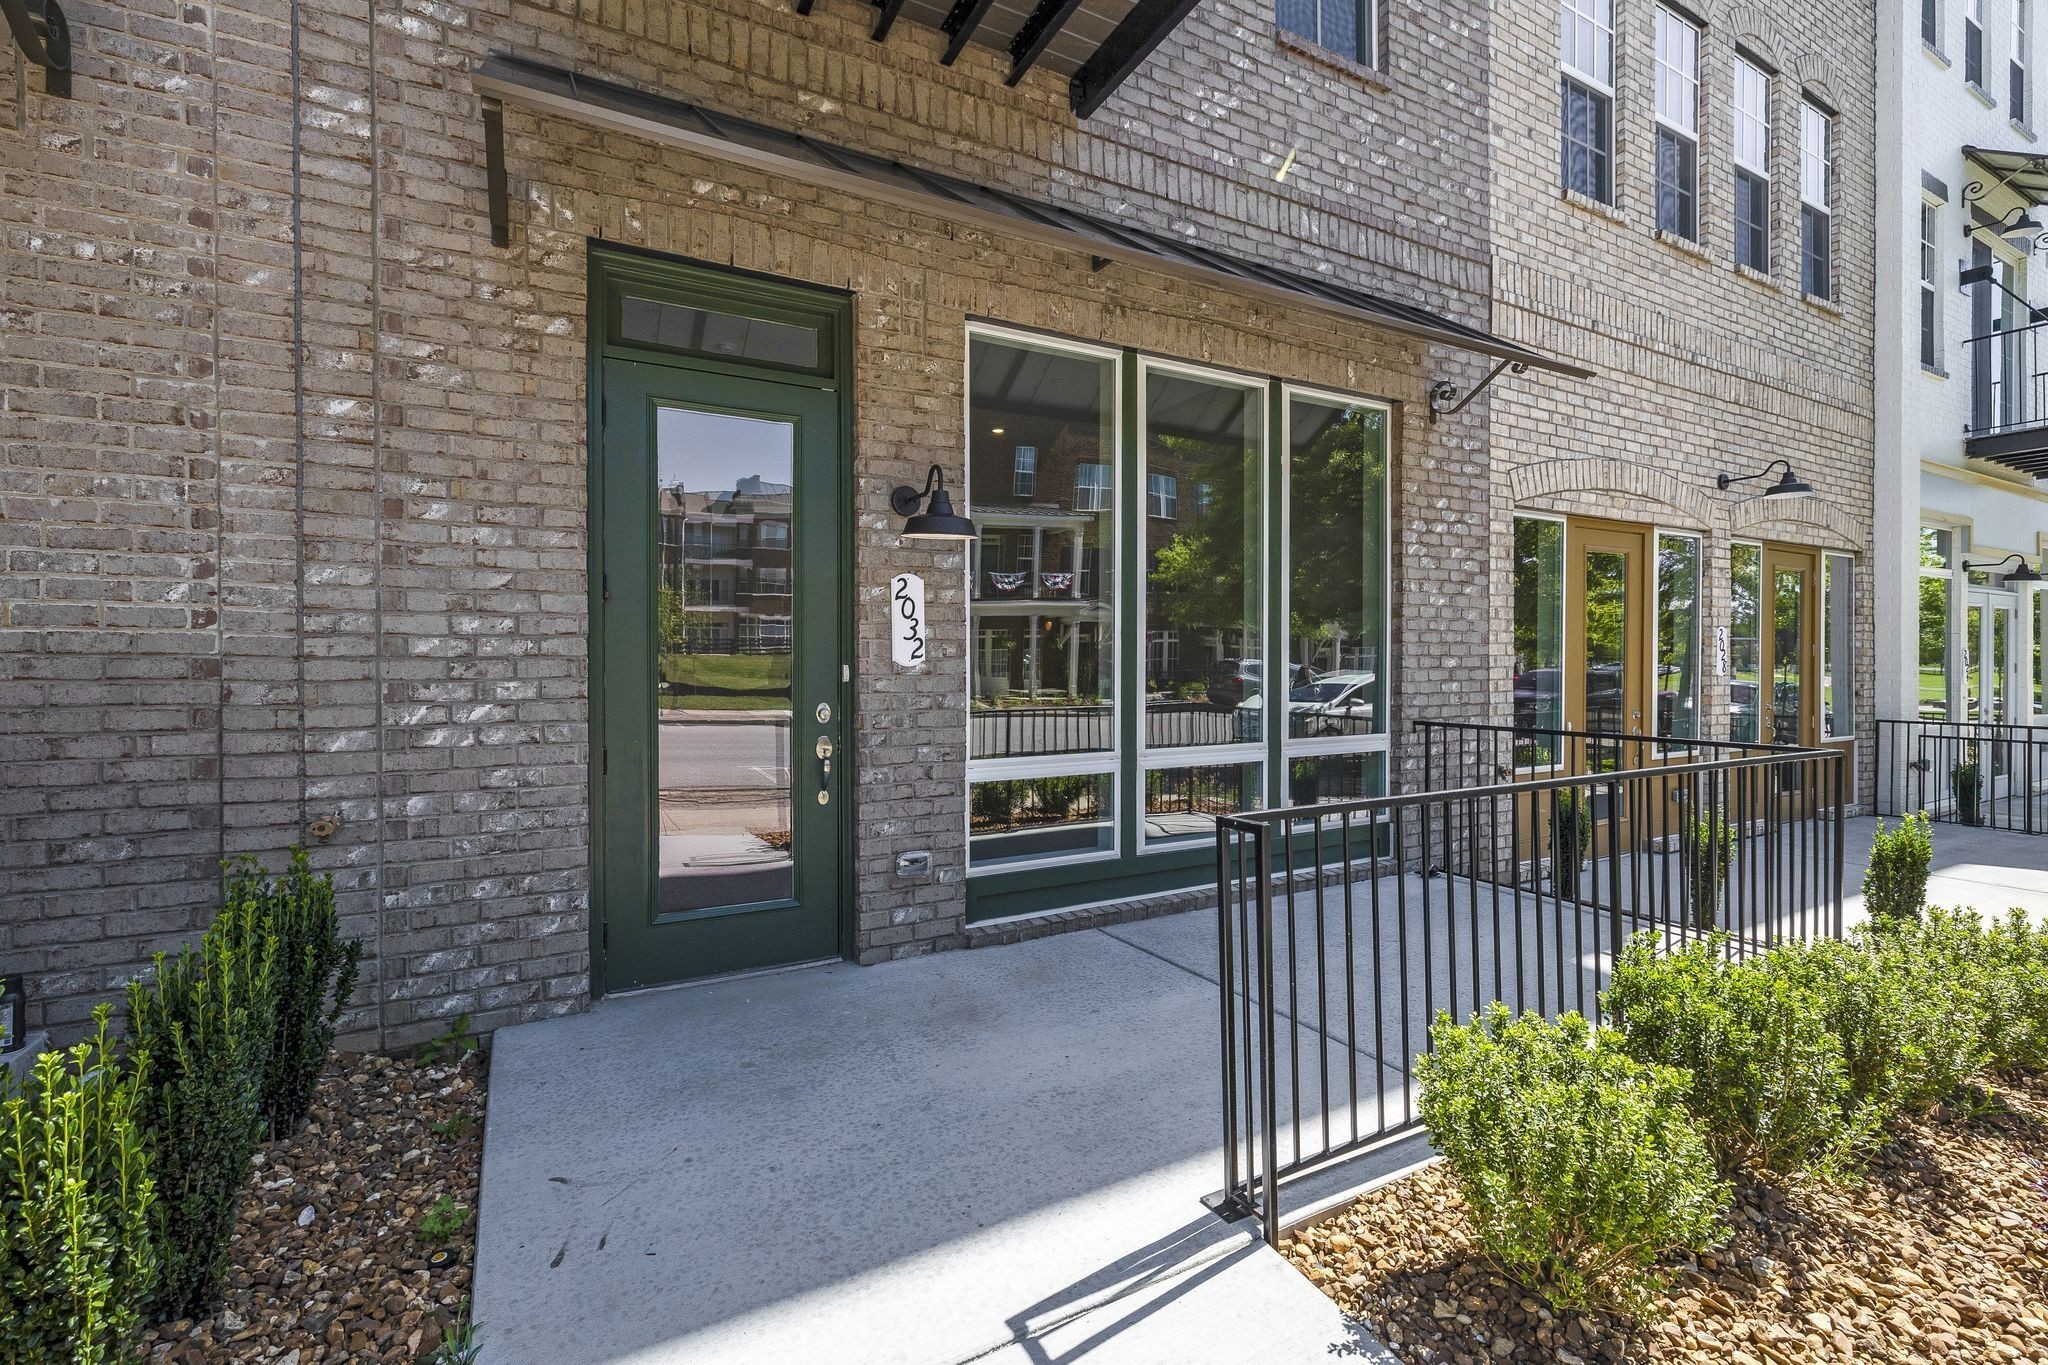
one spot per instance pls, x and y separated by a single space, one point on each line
1458 753
1344 928
1068 728
1980 773
2009 379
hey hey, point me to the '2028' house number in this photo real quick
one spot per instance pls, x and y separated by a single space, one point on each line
906 620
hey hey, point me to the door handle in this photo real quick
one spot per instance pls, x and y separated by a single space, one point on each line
824 751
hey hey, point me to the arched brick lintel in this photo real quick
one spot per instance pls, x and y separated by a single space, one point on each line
1601 475
1808 520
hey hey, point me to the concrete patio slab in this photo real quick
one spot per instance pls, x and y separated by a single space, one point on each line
926 1162
1987 870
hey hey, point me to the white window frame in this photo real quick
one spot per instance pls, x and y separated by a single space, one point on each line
1973 27
1150 760
2019 97
1368 49
1104 762
1667 744
1687 81
1095 501
1164 497
1024 472
1816 177
1756 123
1930 274
1577 18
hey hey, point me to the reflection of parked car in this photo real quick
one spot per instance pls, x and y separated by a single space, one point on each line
1539 699
1326 704
1233 682
1742 706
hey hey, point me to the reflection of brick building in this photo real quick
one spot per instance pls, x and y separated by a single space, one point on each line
727 554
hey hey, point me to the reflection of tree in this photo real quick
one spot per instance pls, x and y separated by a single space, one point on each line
1933 622
1197 581
1337 480
670 623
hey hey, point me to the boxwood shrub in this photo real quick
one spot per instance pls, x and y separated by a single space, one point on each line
1579 1164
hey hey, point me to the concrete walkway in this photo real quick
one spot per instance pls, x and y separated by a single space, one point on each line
997 1155
1987 870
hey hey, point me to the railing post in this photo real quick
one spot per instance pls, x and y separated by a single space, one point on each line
1615 825
1270 1096
1841 835
1225 951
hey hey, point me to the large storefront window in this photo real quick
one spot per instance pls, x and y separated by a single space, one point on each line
1041 461
1336 516
1190 526
1205 579
1539 635
1838 649
1678 636
1937 591
1745 642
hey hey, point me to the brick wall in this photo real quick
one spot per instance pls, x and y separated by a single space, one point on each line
294 460
1703 368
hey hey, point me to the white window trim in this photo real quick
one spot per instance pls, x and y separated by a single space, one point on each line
1735 102
1381 741
1595 83
1659 66
1062 765
1827 160
1563 523
1930 286
1667 744
1210 755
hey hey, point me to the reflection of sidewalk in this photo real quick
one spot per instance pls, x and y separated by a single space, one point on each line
678 715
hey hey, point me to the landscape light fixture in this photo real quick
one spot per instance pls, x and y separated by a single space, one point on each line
2025 573
1790 486
937 521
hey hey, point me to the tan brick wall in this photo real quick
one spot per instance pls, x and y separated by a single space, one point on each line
1702 369
251 583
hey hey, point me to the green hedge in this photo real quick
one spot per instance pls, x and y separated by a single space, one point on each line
1580 1165
77 1251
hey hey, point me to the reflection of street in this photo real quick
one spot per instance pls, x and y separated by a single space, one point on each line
725 811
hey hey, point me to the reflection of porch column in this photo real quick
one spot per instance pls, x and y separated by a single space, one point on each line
1031 657
1074 660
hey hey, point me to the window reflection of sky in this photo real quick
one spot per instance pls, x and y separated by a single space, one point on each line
711 452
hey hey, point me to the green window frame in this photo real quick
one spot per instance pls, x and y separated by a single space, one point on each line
1132 863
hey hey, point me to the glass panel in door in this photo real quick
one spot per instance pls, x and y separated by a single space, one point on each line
1607 653
723 693
1788 656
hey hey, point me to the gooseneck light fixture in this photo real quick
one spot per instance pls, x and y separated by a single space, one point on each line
1790 486
937 520
2025 573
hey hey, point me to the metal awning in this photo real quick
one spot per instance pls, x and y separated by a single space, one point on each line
517 80
1095 44
2023 173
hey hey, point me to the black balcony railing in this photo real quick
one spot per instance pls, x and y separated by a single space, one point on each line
1344 928
1978 773
2009 396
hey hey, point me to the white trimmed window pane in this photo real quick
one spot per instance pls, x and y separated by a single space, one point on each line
1587 32
1678 637
1752 117
1678 72
1336 589
1815 130
1041 453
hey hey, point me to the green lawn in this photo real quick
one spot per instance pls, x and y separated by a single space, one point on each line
735 673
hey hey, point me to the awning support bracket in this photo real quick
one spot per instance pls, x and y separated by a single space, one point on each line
1448 400
494 173
43 36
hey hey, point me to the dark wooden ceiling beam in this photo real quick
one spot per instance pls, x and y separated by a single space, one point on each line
959 26
886 18
1124 51
1039 30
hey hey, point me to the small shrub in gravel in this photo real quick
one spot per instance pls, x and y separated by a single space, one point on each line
1706 853
315 975
1765 1075
1904 1004
2013 989
1580 1165
1895 883
203 1019
77 1255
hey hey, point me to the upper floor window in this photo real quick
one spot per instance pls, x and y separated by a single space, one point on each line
1752 165
1024 472
2016 70
1091 487
1930 297
772 534
1973 42
1586 103
1349 28
1678 124
1930 23
1162 496
1816 133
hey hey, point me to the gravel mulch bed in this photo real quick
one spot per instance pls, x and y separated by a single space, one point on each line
328 1263
1940 1257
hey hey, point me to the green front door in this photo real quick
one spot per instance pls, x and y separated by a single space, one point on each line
721 601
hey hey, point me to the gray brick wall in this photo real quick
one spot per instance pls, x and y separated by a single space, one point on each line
292 460
1703 369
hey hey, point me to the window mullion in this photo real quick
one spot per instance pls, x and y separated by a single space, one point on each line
1275 559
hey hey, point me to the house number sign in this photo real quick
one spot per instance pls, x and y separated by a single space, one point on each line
906 620
1720 651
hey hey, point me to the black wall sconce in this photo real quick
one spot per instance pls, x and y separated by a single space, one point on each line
1790 486
2025 573
937 521
44 37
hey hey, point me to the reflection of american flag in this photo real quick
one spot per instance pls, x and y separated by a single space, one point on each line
1006 582
1056 582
